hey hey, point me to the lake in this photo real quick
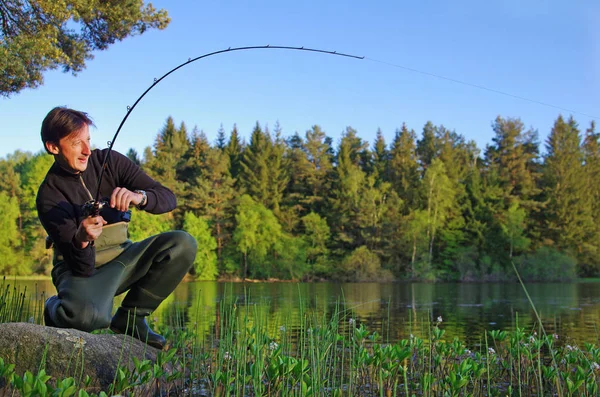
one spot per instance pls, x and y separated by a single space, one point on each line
394 310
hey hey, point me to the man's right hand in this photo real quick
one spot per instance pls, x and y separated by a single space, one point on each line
89 230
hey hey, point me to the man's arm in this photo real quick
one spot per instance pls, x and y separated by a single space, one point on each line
159 198
71 240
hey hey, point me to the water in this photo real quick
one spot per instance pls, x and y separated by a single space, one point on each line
394 310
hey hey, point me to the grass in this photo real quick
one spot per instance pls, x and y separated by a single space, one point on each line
252 353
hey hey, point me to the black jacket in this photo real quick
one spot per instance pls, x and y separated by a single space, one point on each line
62 194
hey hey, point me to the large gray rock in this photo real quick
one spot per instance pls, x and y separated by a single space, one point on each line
69 352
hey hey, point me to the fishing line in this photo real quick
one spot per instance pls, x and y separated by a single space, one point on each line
481 87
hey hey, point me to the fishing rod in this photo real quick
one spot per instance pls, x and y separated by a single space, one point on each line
94 206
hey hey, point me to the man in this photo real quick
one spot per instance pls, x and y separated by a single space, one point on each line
93 259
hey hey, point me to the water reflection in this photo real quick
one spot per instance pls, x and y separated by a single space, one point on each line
394 310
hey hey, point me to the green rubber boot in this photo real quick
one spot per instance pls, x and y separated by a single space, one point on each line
133 322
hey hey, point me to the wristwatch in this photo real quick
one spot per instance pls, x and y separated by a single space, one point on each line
144 201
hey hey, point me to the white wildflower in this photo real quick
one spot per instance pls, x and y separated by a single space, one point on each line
226 356
439 319
282 328
352 321
595 366
273 345
531 339
491 350
555 336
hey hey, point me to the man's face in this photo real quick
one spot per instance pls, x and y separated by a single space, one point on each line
73 151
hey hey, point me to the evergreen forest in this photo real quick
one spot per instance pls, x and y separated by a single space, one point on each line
429 205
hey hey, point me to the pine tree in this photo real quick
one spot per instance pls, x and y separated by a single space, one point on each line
404 167
381 159
221 140
278 166
170 147
317 167
426 147
212 196
513 156
568 211
132 154
591 151
349 179
254 175
234 151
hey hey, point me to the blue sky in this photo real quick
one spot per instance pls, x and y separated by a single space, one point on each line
543 50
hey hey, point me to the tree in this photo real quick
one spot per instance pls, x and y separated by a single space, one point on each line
255 235
40 35
316 167
404 167
426 146
221 141
513 227
211 195
254 172
345 195
168 162
132 154
440 194
205 264
11 263
591 149
512 156
234 151
144 224
568 212
380 159
316 235
32 174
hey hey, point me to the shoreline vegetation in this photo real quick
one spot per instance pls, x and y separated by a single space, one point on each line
252 354
428 206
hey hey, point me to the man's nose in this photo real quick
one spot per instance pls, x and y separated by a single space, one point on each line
86 148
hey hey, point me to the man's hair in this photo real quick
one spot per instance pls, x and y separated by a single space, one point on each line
61 122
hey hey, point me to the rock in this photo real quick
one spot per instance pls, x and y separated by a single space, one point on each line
69 352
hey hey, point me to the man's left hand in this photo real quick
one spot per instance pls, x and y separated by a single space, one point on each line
122 198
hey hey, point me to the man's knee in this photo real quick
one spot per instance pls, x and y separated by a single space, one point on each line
184 246
79 314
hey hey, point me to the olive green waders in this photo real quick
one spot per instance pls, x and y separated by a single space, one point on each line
149 270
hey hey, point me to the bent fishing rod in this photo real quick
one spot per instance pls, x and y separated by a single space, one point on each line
94 206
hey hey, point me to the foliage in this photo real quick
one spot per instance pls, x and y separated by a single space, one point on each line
335 354
426 208
144 225
364 265
40 35
546 264
205 264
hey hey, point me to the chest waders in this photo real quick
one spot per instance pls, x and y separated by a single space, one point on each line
148 271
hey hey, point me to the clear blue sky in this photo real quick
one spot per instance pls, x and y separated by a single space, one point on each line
544 50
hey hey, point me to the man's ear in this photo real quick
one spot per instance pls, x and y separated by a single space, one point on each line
52 147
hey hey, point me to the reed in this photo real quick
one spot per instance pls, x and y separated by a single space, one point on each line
254 352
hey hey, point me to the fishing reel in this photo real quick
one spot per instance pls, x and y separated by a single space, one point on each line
92 208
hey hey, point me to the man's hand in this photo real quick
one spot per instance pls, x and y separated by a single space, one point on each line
122 198
89 230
